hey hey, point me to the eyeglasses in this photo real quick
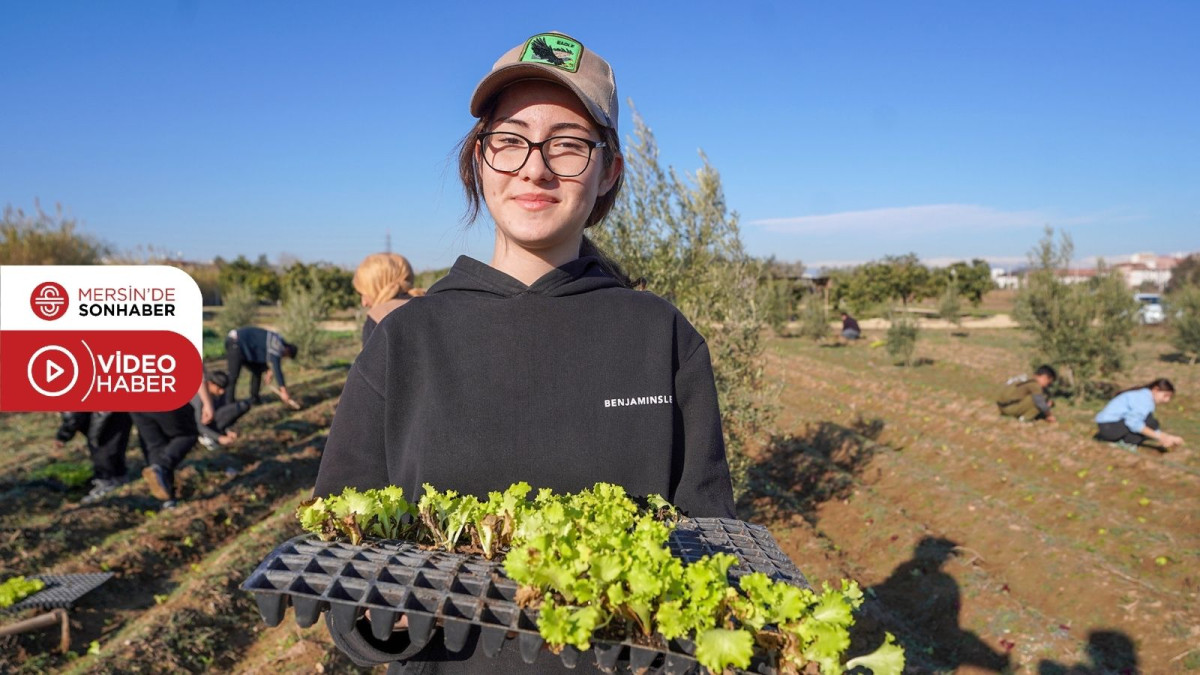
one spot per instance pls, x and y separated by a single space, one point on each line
565 156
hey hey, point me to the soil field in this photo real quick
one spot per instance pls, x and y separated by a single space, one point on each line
987 545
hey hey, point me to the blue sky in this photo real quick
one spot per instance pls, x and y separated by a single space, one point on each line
843 131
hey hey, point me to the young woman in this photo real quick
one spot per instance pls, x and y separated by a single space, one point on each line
385 282
1129 417
543 365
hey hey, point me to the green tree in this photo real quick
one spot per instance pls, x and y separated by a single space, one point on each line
814 318
902 337
239 307
907 279
779 293
305 305
335 284
677 233
1186 273
950 305
896 277
971 281
46 239
428 278
866 286
1083 329
259 277
1184 316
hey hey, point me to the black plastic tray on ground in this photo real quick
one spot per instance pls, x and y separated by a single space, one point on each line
471 598
62 590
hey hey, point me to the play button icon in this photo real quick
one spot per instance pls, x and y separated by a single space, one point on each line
52 363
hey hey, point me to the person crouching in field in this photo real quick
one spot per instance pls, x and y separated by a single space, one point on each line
1027 399
1128 420
385 282
850 329
218 431
107 435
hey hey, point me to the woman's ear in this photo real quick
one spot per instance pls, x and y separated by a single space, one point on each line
612 174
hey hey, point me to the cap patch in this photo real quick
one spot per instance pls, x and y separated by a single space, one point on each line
553 49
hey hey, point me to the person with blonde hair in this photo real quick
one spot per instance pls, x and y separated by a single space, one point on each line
385 282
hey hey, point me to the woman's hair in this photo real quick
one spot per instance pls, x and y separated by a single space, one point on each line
468 173
1161 384
383 276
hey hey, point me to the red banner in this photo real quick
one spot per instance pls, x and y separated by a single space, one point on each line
88 371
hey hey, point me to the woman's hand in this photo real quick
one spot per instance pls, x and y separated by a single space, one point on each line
1169 440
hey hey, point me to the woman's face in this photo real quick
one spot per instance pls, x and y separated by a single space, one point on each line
1161 396
533 208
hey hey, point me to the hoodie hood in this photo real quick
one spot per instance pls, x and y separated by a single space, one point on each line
577 276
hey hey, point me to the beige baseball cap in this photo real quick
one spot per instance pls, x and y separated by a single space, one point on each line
561 59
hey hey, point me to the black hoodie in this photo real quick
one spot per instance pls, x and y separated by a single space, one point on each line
486 381
576 379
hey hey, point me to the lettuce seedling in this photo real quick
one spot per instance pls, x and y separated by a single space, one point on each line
16 589
718 648
446 515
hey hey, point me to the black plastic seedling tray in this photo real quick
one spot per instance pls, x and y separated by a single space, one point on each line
470 598
62 590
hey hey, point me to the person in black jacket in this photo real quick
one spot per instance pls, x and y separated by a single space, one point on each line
107 435
850 329
167 437
257 349
218 430
544 365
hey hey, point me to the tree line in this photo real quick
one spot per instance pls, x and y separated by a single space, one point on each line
675 233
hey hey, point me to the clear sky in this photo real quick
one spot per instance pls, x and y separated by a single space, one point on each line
843 131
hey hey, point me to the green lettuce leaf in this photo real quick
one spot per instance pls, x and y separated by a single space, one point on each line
719 648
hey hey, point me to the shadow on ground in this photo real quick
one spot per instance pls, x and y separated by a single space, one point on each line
1108 652
795 473
920 603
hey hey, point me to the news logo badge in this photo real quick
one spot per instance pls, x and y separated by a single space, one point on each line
122 337
49 301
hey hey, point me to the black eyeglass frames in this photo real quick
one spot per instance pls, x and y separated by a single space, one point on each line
565 156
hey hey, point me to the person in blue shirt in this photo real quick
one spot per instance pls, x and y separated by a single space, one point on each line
1129 418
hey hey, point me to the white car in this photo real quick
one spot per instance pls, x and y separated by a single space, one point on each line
1151 309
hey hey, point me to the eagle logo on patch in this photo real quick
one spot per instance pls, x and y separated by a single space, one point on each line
553 50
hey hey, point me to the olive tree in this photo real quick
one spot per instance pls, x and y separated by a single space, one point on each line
1184 316
902 335
1084 329
676 232
814 318
950 305
306 303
